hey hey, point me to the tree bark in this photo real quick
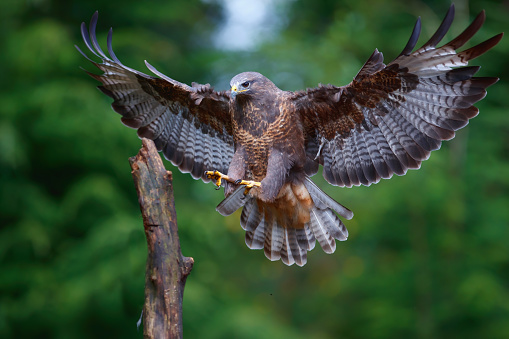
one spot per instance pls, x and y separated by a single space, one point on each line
167 269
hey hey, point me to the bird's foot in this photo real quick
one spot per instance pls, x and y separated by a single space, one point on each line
218 177
249 184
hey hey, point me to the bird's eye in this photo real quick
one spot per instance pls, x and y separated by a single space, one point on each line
245 84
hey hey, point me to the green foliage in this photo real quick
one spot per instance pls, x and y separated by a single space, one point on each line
427 255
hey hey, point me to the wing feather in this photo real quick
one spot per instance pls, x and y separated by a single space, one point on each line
190 124
390 117
379 167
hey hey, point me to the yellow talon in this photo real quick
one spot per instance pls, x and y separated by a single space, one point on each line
250 183
215 175
218 177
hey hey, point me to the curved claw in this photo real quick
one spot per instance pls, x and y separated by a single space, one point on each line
214 175
250 183
219 177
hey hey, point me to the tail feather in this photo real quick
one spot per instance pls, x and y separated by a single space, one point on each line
322 200
246 214
292 252
334 225
274 241
321 231
305 238
232 202
253 216
290 226
256 239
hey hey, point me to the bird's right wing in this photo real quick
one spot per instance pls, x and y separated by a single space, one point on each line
191 125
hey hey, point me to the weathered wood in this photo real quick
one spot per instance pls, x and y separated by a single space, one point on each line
167 269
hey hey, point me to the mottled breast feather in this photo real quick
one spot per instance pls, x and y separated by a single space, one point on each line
275 127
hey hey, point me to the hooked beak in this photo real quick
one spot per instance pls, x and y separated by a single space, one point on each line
233 91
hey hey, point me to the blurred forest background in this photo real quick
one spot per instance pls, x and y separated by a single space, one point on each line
428 253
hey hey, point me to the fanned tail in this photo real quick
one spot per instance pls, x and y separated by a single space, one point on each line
290 226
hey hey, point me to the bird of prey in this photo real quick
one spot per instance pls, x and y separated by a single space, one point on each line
263 144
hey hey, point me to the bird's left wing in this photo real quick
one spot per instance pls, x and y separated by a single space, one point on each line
191 125
389 118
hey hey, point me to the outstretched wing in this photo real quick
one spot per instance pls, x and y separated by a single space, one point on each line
389 118
190 124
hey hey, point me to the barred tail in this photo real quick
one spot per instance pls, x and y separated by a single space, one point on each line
290 226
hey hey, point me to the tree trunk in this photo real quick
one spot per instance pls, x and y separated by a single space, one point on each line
167 269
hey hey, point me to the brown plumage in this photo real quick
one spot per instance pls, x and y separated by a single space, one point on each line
386 121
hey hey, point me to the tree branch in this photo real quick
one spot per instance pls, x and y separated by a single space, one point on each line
167 269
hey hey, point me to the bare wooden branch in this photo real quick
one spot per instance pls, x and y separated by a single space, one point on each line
167 269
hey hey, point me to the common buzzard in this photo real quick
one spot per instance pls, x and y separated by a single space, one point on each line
269 141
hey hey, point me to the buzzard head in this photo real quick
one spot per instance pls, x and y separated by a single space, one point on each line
251 84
